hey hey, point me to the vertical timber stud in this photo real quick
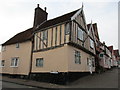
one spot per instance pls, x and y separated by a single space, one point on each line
64 33
36 41
56 36
47 40
75 33
52 37
60 34
40 41
70 31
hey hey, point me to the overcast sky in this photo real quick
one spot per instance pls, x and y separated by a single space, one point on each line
17 16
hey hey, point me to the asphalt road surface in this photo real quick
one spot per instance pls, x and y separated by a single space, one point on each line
109 79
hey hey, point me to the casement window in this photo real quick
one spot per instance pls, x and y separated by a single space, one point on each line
67 28
14 62
2 63
101 55
93 62
44 36
3 48
91 43
17 45
77 57
80 34
87 61
39 62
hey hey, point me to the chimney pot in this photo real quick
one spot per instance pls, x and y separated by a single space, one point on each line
37 5
45 8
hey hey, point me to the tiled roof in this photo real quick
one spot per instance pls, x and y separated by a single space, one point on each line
26 35
116 53
57 20
110 48
20 37
96 30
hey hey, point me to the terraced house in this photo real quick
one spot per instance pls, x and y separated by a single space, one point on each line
60 45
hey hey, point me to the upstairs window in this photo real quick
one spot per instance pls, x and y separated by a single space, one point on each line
3 48
44 36
2 63
67 28
17 45
77 57
80 34
14 62
101 55
91 43
39 62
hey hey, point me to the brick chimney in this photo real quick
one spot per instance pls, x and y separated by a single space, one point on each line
39 16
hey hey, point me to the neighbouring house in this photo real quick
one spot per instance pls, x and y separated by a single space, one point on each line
111 50
117 57
105 56
59 45
94 31
16 53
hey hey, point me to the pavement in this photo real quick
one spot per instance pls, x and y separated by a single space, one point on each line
108 79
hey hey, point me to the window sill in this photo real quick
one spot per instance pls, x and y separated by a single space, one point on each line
91 47
14 66
2 66
80 40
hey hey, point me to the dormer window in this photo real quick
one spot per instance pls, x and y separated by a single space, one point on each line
17 45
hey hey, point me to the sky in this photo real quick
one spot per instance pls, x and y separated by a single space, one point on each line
18 15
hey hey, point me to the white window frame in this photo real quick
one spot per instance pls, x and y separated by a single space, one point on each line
13 62
67 28
17 45
40 64
80 34
91 43
1 63
3 48
77 57
44 35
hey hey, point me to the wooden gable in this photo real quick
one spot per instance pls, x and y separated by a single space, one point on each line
79 17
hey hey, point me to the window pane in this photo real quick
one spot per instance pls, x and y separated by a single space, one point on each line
80 34
39 62
91 43
67 28
44 35
77 57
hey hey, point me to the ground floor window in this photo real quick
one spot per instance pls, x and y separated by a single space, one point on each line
14 62
39 62
2 63
77 57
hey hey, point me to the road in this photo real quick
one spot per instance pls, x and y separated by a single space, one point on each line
14 85
109 79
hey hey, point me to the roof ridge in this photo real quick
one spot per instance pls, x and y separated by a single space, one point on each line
63 14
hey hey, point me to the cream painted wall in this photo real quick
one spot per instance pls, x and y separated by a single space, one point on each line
83 67
54 60
24 54
61 60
